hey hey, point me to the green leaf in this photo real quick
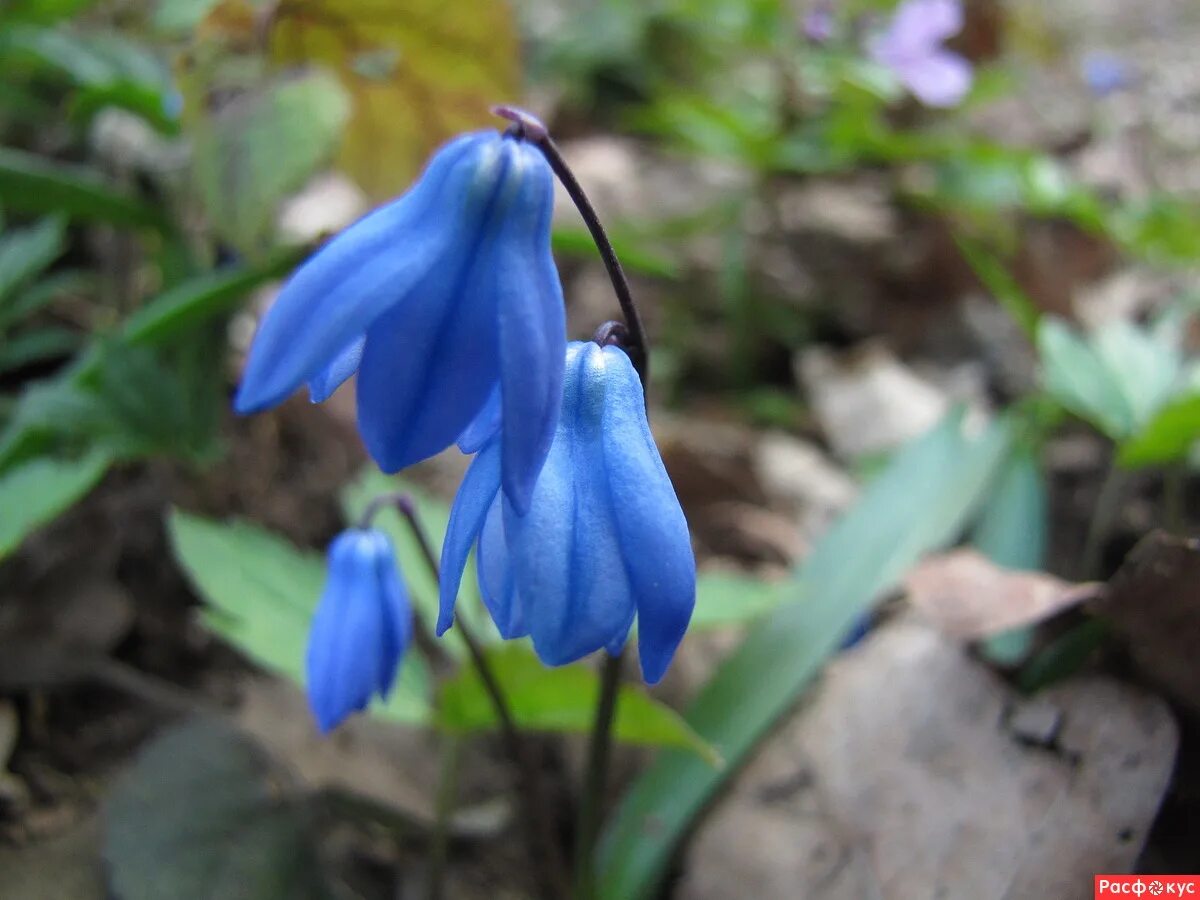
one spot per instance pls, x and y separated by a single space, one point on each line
1011 530
262 592
33 184
1167 437
258 148
181 16
634 255
204 813
561 699
41 413
47 289
727 598
38 491
937 481
37 346
27 252
1117 377
1078 378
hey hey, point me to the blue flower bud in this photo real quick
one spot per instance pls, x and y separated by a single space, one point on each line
437 299
604 538
361 629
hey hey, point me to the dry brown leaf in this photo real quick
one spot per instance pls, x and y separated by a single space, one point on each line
903 779
968 596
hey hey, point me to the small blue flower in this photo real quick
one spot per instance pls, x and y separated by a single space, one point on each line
604 538
912 48
438 300
361 629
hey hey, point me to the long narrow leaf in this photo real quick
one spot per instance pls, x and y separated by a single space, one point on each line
29 183
922 500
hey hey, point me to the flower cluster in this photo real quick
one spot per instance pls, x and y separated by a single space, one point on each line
448 305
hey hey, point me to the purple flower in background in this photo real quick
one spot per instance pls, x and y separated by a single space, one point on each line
1106 73
912 48
818 22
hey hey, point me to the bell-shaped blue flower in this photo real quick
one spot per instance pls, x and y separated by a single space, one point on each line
361 629
438 300
604 539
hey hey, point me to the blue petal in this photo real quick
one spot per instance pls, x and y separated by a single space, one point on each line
496 583
431 362
372 265
564 552
475 495
322 385
484 426
395 610
532 331
353 648
651 528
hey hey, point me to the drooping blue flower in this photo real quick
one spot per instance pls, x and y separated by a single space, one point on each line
604 539
362 626
438 300
912 48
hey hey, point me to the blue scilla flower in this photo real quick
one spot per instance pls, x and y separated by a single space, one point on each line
604 538
361 629
438 300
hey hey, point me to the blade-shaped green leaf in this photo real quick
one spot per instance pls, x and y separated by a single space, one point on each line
1011 530
935 483
1001 283
560 699
26 252
728 598
36 492
1167 437
32 347
31 183
262 592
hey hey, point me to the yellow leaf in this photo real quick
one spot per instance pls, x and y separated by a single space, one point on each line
418 72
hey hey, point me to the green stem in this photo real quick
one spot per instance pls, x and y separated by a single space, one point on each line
596 779
447 792
1103 515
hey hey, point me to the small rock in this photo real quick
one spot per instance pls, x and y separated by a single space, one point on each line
1036 722
867 401
326 205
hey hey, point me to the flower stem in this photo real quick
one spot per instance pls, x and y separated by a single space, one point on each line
530 129
596 780
447 792
542 843
1103 514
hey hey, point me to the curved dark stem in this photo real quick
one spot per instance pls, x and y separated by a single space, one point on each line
612 334
529 128
541 840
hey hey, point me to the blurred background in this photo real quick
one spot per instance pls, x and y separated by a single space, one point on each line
833 263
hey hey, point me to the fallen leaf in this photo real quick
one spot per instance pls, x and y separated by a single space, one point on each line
907 777
968 596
